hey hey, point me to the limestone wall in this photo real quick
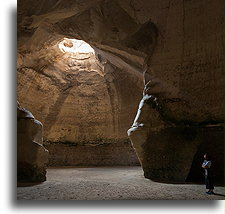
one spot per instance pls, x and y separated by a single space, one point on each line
32 157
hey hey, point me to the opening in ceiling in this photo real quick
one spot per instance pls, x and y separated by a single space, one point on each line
75 46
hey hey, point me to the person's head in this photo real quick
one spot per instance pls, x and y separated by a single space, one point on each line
207 156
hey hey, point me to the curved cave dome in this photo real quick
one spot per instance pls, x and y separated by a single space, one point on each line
83 99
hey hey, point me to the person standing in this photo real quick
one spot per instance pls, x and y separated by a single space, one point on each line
208 174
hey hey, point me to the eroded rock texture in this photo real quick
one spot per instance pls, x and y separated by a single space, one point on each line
177 46
80 98
183 95
92 154
32 157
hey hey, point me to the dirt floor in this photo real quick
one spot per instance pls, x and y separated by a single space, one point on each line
109 183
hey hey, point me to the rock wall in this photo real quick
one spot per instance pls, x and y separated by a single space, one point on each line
92 154
183 94
32 157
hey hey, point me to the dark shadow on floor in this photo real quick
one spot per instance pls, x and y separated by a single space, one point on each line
218 194
27 184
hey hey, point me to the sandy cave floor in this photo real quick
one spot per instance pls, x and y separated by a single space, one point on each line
109 183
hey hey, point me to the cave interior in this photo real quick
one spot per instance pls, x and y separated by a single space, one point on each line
120 83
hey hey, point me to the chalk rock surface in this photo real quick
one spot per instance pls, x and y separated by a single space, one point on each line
32 157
